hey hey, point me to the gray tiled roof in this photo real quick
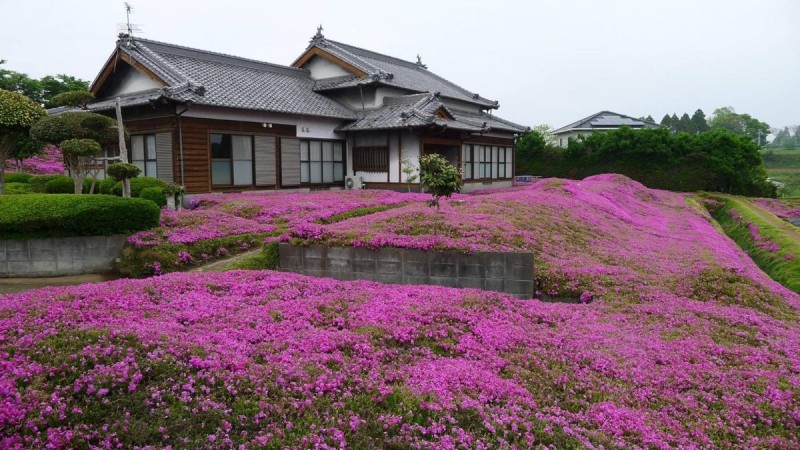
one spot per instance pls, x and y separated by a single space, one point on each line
605 120
217 79
419 110
391 71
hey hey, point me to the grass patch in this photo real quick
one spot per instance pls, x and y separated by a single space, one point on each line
267 259
358 212
775 251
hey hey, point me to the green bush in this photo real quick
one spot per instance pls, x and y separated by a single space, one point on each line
267 259
155 195
61 185
14 188
17 177
38 182
74 215
138 184
87 185
106 185
122 171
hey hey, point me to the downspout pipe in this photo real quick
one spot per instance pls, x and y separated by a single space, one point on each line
180 141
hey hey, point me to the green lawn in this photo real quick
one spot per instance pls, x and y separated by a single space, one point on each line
784 166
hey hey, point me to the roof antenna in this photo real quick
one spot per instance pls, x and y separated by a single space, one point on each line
126 29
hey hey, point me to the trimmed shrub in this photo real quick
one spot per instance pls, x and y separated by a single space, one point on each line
139 183
17 177
38 182
14 188
60 185
74 215
121 171
155 195
106 185
87 184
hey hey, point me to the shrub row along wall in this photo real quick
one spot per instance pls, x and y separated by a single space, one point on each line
50 257
492 271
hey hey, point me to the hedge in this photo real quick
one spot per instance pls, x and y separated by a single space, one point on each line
38 182
58 215
17 188
155 195
61 185
138 184
106 184
17 177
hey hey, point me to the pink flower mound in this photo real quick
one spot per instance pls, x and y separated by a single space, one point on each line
282 360
783 208
50 161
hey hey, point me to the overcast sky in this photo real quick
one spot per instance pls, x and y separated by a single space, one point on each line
550 62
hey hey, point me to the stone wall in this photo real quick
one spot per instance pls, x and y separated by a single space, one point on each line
492 271
52 257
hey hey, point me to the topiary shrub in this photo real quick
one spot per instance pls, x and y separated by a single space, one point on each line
17 177
139 183
120 171
38 182
105 185
39 215
154 194
60 185
17 188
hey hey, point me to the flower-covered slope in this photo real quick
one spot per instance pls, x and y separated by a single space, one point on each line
685 345
269 359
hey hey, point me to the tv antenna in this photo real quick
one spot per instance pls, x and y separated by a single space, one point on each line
128 28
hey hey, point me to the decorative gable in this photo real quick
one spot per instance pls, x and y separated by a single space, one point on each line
325 65
123 75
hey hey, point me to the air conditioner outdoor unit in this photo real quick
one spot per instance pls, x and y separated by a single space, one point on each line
353 183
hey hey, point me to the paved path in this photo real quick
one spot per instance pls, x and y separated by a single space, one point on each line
13 285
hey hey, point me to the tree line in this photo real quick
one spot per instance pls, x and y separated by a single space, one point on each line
43 90
715 160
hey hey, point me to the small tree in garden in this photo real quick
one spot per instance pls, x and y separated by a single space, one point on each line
25 148
77 125
17 114
72 98
79 157
123 172
439 177
409 170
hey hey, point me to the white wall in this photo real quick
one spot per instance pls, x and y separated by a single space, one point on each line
321 68
307 127
133 81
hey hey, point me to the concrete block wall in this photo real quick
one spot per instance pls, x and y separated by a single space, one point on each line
492 271
52 257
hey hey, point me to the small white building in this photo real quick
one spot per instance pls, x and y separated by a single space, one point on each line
599 122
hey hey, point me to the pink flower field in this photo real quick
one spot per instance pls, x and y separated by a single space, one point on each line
685 343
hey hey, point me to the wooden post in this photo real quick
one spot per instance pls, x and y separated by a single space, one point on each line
123 150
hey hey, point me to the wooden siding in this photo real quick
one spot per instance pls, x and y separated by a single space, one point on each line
290 162
266 165
165 166
196 145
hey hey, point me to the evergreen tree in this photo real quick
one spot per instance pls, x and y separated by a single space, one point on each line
666 122
699 123
650 119
685 124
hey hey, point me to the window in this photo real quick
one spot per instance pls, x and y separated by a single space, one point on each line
466 158
371 152
143 153
486 162
321 162
231 160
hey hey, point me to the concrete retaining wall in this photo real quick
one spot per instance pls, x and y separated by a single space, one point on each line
52 257
492 271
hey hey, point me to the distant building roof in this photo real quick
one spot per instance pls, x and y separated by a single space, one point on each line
605 120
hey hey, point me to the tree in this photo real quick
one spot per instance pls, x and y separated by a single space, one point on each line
81 126
685 124
699 123
409 169
79 157
72 98
650 119
666 122
546 132
726 118
439 177
528 149
17 115
25 148
40 91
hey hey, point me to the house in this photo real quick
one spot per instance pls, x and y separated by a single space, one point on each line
602 121
220 123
